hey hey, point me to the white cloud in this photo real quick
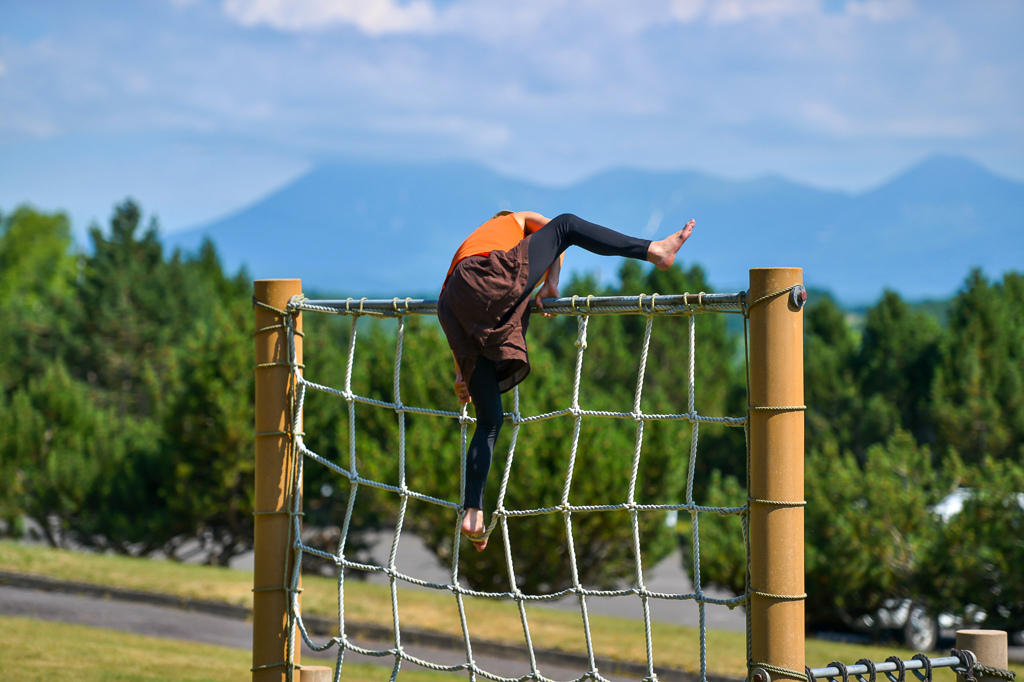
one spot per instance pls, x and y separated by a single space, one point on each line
551 23
880 10
479 134
827 118
689 10
496 21
552 88
735 11
732 11
373 17
490 21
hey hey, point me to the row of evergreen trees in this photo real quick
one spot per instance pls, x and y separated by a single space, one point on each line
125 390
126 425
904 410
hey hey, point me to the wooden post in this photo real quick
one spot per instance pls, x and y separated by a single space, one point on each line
273 557
989 646
776 522
317 673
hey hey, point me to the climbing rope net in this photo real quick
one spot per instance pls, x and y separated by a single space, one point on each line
582 308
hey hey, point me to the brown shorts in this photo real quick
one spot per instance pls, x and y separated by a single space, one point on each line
484 310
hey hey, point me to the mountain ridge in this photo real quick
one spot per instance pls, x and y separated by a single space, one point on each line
354 228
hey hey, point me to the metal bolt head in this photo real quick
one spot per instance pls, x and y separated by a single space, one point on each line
798 296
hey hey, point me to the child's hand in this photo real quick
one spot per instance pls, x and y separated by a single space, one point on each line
461 390
547 290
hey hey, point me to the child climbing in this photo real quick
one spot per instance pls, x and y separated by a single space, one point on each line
484 309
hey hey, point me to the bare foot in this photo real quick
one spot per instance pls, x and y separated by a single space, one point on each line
473 527
663 252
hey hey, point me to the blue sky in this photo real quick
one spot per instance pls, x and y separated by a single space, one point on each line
198 107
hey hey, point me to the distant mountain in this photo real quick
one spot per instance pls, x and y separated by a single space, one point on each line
357 229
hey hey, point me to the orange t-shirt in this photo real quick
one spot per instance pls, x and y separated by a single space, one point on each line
497 234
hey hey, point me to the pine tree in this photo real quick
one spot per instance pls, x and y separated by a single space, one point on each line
978 407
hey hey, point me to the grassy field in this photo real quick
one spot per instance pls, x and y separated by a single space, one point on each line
617 638
40 650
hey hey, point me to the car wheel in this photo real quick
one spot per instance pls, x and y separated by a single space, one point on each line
921 631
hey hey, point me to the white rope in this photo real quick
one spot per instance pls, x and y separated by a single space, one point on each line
651 306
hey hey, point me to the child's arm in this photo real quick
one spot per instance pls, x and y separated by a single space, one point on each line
531 221
549 289
461 389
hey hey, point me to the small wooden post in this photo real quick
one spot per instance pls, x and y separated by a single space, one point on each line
989 646
776 522
273 558
317 673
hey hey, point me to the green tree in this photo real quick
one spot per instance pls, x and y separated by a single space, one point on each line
605 449
868 526
37 271
208 437
978 407
976 561
834 404
896 364
135 309
62 448
862 388
612 362
723 557
326 424
36 259
159 353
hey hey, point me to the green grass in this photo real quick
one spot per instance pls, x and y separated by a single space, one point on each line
674 646
45 651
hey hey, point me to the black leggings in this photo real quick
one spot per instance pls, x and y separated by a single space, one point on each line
546 245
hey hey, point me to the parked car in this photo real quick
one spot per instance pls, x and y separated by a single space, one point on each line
910 622
913 623
917 627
